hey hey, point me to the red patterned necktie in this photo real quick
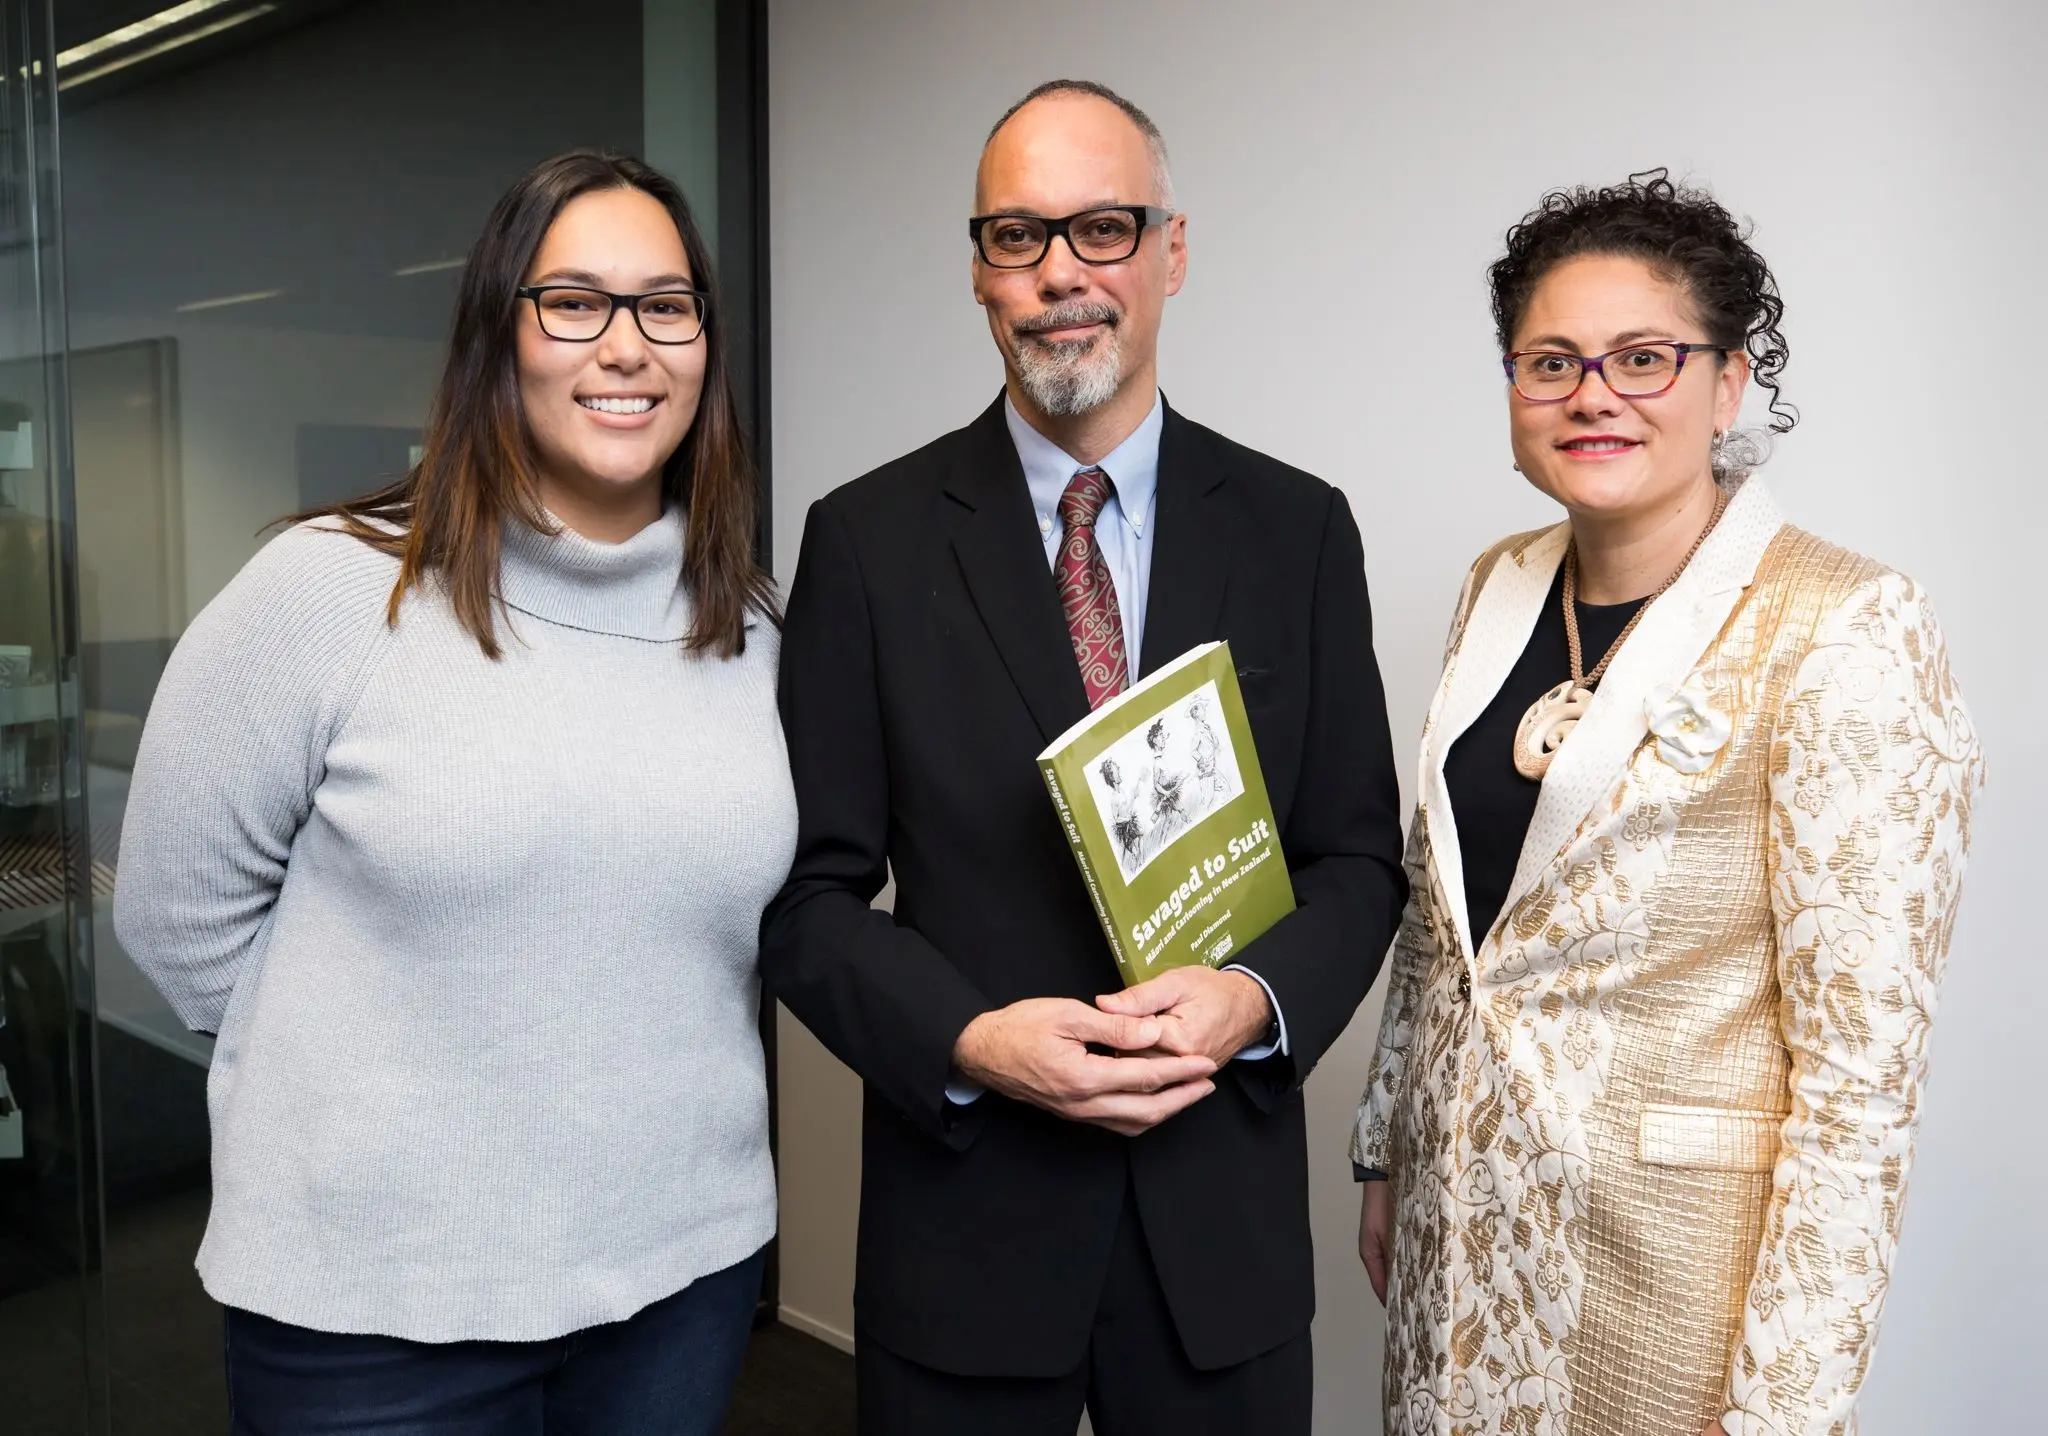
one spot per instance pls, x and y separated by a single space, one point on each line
1086 593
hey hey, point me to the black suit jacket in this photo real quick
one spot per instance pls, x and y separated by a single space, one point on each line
925 664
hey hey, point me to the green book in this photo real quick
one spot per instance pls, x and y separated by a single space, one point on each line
1160 794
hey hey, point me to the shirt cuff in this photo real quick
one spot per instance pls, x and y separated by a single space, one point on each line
963 1093
1264 1049
1367 1174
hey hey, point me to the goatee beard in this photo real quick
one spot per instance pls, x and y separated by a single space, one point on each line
1067 377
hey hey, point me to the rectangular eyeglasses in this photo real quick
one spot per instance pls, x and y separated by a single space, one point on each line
1096 236
1634 371
577 315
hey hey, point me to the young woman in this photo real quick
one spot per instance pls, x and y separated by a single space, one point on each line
454 819
1696 792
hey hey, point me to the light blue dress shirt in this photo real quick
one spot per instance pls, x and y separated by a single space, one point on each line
1124 533
1123 530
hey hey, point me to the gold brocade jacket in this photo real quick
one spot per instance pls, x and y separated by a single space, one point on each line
1648 1136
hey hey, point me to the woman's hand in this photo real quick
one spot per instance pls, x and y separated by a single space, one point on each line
1376 1233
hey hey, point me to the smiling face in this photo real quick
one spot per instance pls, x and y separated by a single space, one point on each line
1606 458
605 416
1074 335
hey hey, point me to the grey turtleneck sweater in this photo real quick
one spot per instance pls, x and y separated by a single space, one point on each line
478 937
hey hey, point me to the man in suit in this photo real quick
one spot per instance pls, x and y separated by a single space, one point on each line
1072 1194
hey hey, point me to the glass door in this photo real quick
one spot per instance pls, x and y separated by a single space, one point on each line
52 870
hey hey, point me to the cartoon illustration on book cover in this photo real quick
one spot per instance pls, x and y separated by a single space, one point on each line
1163 777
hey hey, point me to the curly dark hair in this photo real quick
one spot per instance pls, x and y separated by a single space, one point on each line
1685 235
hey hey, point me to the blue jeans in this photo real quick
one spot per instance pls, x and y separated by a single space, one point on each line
665 1371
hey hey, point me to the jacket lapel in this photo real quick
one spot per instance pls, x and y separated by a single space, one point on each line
1503 615
1190 550
1002 559
1665 647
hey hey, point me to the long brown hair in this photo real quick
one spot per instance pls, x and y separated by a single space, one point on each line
477 468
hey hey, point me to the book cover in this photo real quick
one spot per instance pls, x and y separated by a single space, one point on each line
1160 795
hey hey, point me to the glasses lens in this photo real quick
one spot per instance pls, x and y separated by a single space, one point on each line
1544 375
1012 241
671 318
1104 235
573 313
1643 369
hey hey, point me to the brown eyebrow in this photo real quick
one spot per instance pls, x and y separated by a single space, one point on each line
1632 336
585 277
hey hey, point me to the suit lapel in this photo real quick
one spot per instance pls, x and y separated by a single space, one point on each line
1503 615
1665 647
1002 558
1190 550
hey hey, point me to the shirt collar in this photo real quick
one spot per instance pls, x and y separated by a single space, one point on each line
1132 466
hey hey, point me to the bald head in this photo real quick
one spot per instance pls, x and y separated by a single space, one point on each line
1077 111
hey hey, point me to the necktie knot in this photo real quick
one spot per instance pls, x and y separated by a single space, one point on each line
1086 493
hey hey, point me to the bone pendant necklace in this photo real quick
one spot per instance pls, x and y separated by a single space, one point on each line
1552 717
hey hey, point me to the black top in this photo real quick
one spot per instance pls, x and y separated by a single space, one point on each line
1491 801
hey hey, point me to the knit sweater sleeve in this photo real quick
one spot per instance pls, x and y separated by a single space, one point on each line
232 754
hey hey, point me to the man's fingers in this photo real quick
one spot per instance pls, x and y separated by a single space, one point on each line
1121 1001
1180 1037
1100 1076
1131 1112
1126 1032
1156 995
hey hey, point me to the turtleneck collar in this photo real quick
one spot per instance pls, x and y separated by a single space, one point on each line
632 589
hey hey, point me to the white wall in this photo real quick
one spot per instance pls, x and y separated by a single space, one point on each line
1349 169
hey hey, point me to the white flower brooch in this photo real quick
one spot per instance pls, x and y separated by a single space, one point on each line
1689 729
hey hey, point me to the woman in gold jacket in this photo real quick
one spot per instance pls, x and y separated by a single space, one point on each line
1695 800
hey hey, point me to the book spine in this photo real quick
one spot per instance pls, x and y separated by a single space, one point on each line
1087 866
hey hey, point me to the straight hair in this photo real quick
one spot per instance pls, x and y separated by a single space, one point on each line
477 469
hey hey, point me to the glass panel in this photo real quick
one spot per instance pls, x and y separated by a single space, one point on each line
48 868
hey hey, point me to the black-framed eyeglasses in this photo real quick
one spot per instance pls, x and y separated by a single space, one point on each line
1096 236
577 315
1634 371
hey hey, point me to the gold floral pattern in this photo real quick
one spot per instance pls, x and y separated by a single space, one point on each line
1875 769
1702 944
1641 826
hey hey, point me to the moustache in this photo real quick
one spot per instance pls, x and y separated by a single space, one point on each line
1063 316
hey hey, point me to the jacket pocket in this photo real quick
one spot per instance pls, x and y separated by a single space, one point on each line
1727 1139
